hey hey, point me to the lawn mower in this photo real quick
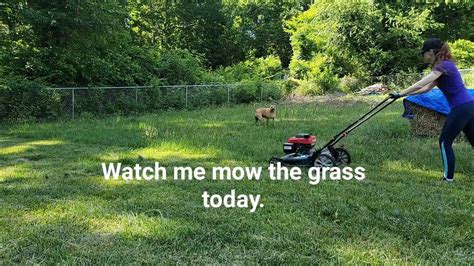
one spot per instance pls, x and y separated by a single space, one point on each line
300 150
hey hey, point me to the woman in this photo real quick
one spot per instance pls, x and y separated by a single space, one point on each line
447 78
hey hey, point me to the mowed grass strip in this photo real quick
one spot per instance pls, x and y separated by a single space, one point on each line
56 207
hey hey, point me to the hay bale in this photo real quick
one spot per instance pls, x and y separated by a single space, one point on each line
426 122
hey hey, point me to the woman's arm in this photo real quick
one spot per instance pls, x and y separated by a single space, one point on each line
426 88
423 84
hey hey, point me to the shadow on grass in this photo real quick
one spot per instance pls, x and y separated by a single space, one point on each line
58 208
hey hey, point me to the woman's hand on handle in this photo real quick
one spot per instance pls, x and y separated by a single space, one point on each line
395 95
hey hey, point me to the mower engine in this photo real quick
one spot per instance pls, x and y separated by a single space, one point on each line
300 144
300 151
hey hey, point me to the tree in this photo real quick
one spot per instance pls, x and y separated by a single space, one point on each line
69 42
197 26
456 18
259 27
357 38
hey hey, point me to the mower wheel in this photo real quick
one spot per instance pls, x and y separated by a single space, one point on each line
324 160
343 156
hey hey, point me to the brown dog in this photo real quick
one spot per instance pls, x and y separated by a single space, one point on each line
267 113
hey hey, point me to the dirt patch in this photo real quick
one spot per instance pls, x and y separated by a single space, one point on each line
333 99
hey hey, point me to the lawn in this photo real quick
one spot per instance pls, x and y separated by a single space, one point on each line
56 207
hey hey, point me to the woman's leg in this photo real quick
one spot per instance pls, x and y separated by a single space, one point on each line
454 124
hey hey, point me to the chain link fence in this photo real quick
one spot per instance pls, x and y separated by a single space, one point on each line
84 101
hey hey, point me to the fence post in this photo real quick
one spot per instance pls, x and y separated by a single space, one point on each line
73 103
186 88
136 96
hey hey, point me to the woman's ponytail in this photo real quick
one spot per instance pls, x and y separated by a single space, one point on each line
442 54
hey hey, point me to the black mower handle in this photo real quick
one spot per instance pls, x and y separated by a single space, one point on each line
379 107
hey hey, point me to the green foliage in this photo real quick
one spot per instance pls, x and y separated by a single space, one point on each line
319 71
463 53
247 92
468 79
327 81
22 99
456 19
257 27
350 84
259 79
356 38
384 39
261 68
308 87
324 82
334 45
194 26
179 67
274 90
65 44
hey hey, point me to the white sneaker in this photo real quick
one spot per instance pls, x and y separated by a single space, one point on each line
449 180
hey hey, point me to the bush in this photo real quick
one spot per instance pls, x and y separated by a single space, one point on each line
273 90
350 84
246 92
309 87
23 99
468 78
327 81
463 52
257 90
259 79
309 69
266 68
179 67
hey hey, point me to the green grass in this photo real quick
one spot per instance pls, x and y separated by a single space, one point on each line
55 206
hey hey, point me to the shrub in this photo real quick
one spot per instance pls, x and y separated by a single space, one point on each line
349 84
468 78
327 81
274 90
179 67
463 52
23 99
266 68
309 87
247 91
